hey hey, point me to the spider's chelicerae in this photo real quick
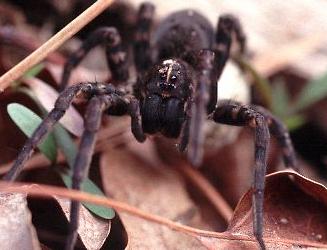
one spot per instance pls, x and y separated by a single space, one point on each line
178 66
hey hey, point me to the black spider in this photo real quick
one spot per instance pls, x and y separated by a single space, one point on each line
178 65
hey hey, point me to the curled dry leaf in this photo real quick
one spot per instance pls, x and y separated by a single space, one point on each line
93 231
154 190
295 215
16 229
47 96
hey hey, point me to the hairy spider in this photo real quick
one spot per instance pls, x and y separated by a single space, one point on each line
178 66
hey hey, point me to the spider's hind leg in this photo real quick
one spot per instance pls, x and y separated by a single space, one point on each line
228 27
142 49
115 53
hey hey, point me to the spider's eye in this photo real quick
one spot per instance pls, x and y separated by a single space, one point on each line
163 76
173 78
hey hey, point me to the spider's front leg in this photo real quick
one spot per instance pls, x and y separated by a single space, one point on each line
115 53
92 121
81 167
62 104
262 121
232 113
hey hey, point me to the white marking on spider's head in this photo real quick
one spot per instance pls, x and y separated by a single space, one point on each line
170 69
169 61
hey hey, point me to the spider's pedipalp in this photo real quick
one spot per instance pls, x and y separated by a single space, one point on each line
204 81
136 120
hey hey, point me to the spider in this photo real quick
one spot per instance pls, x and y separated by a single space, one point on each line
178 66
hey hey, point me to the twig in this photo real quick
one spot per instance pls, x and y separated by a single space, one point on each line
53 43
208 190
50 191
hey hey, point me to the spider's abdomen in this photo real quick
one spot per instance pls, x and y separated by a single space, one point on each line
164 115
182 33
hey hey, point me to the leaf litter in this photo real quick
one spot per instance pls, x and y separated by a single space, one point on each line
17 230
242 225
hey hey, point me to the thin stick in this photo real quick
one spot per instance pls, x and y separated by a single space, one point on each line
208 190
54 42
49 191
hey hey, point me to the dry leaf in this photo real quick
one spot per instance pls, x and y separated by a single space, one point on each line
92 230
154 190
295 215
17 231
72 120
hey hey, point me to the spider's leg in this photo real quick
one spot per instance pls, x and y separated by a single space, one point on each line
92 122
280 132
142 50
228 27
199 107
232 113
116 55
62 104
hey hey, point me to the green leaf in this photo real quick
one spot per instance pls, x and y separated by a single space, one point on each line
313 92
69 149
260 83
34 71
90 187
28 121
295 121
66 144
280 100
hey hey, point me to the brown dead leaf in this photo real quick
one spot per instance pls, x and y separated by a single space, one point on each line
154 190
295 211
295 208
16 229
295 215
92 230
51 217
72 120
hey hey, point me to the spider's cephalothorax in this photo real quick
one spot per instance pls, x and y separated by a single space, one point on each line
178 67
166 89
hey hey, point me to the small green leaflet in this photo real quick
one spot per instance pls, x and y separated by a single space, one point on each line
34 70
90 187
28 121
313 92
